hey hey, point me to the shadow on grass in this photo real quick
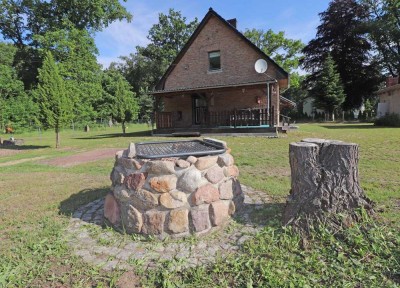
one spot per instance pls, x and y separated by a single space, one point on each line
267 214
351 126
68 206
23 147
117 135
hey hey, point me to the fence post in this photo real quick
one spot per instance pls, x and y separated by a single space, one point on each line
234 118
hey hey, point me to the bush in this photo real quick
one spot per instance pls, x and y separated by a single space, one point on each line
392 120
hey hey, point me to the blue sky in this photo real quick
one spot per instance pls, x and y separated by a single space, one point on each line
298 18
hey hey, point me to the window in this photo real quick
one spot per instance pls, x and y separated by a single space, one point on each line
215 60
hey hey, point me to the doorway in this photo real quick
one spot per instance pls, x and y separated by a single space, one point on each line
199 110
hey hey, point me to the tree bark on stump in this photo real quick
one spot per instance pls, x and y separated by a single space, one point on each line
325 183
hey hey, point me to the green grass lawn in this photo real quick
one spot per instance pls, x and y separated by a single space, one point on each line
36 201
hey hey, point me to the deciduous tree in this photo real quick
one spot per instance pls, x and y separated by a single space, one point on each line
167 38
146 65
21 21
16 108
284 51
384 26
343 34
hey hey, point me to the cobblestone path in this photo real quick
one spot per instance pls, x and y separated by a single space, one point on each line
101 246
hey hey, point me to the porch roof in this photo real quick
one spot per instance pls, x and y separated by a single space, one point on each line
210 87
287 101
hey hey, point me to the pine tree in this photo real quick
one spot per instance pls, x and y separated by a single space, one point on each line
328 91
55 106
118 100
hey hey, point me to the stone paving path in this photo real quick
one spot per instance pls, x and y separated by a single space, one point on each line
101 246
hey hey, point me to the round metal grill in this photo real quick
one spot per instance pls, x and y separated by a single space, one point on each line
153 150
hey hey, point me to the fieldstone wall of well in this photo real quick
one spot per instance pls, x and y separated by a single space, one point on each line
172 196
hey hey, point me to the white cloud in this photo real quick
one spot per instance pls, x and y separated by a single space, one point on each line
303 31
106 61
287 14
121 38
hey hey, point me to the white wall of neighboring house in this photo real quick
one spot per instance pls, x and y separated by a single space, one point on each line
309 109
389 100
383 109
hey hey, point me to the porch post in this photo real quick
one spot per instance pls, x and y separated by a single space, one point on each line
277 109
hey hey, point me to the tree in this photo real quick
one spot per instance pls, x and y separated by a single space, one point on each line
21 21
284 51
118 100
328 91
297 93
16 108
55 105
384 25
146 65
343 35
167 38
75 51
10 86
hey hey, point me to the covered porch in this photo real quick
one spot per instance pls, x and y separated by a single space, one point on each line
203 118
244 108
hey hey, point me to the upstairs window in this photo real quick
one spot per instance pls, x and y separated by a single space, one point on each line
214 58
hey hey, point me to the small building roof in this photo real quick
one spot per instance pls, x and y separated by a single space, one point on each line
388 89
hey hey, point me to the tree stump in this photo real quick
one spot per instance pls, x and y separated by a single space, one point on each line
325 183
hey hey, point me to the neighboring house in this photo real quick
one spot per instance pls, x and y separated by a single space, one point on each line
212 83
389 98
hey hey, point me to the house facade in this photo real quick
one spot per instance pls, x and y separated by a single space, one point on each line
389 98
213 82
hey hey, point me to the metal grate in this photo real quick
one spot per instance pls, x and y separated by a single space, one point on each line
152 150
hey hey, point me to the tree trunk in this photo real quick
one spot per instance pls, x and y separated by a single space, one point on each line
324 183
57 137
123 127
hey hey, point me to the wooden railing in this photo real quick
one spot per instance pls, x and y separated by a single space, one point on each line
164 120
232 118
285 120
241 118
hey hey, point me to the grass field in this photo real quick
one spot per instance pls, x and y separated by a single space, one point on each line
36 201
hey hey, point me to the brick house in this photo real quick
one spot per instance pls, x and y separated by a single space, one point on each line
389 97
212 84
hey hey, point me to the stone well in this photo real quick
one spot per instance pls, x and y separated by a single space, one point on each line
174 196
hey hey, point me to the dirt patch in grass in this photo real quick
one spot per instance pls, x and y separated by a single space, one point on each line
129 280
81 158
15 162
9 152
